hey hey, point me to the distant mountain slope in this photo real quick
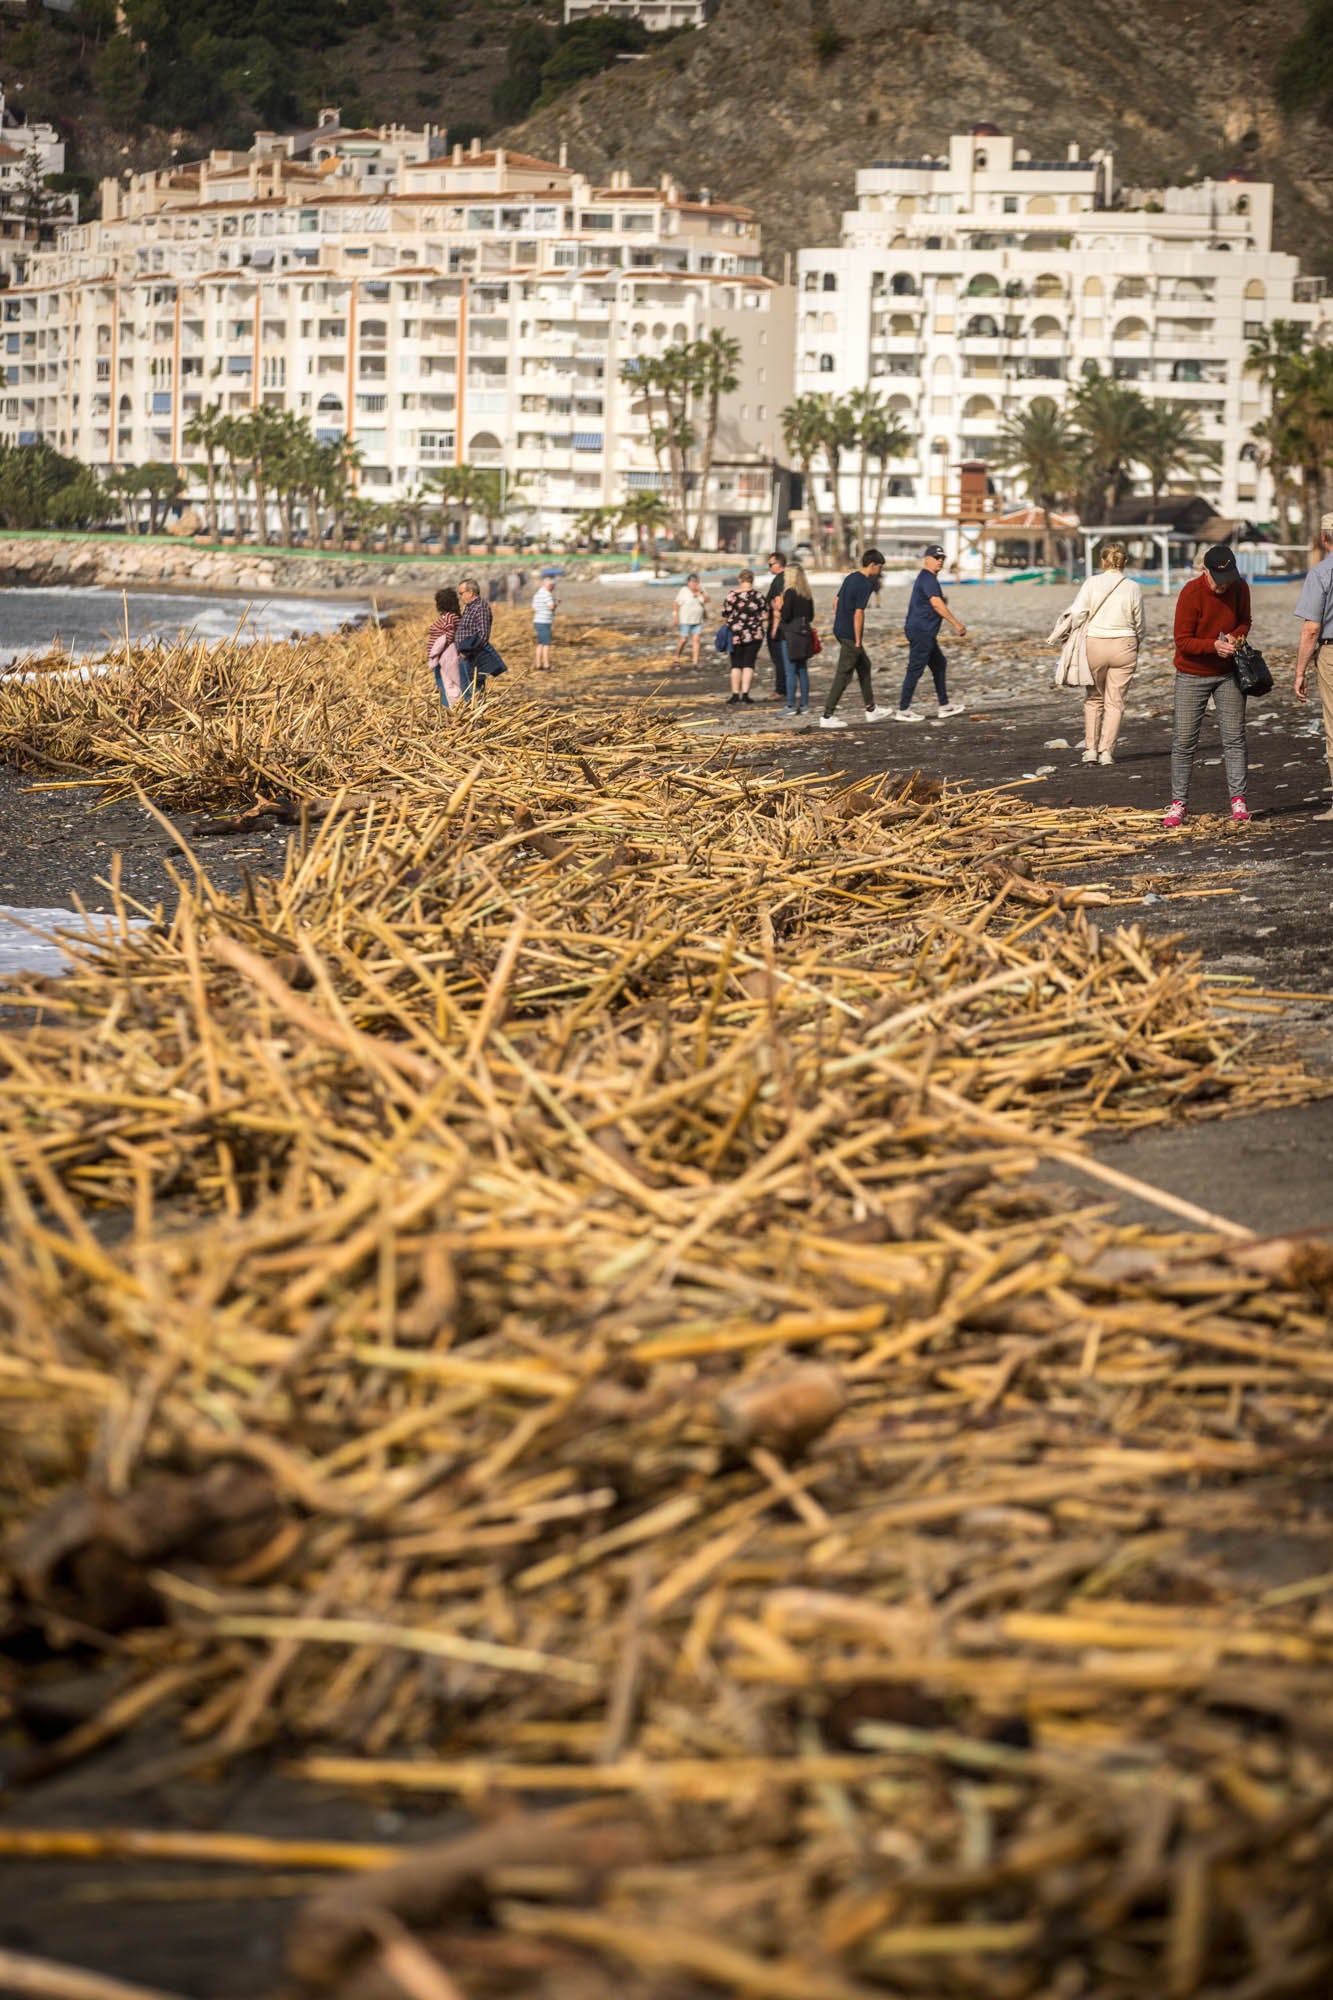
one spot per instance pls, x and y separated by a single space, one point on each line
779 104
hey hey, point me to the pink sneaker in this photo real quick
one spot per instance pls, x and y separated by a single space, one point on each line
1239 809
1175 815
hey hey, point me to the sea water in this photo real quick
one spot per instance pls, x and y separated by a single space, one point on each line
88 621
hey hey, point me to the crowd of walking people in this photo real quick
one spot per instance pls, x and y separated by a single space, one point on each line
1101 635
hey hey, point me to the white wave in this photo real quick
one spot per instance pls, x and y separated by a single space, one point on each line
28 943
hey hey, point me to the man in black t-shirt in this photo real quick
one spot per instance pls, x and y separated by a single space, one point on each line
849 619
777 565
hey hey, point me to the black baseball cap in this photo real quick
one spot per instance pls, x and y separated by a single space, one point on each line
935 550
1220 563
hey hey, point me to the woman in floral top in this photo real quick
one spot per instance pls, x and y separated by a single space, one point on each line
745 613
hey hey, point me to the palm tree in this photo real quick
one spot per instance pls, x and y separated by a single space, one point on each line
711 374
864 406
162 483
204 433
1298 432
232 443
882 437
645 513
594 524
458 487
125 483
1041 447
837 434
1174 446
1112 420
801 426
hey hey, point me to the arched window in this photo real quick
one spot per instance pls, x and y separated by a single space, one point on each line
812 281
903 285
1092 288
680 331
1242 204
1132 288
826 364
1130 329
1249 454
1041 204
1046 328
978 409
829 323
939 447
983 286
979 162
1048 286
812 322
830 281
982 327
900 326
900 406
331 405
943 365
480 442
1255 289
374 329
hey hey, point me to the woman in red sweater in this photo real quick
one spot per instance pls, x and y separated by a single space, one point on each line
1212 618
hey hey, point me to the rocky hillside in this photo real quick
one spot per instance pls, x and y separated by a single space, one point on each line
777 102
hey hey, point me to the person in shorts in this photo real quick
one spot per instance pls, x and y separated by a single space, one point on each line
543 619
690 607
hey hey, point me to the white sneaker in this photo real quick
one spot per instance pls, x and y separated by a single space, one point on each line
877 714
953 707
906 715
1089 757
1105 757
831 722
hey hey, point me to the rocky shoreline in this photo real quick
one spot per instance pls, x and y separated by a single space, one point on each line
125 562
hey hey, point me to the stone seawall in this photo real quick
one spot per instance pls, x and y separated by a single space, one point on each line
136 561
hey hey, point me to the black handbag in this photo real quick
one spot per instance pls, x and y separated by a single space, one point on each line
1251 669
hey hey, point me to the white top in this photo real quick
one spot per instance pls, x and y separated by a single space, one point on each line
543 604
1114 606
689 606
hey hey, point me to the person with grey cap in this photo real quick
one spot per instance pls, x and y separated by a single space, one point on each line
927 610
1314 607
1212 620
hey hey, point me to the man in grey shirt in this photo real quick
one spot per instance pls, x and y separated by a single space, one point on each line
1314 607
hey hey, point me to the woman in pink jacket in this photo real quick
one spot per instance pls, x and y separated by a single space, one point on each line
443 651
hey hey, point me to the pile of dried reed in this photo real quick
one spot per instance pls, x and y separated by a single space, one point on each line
545 1299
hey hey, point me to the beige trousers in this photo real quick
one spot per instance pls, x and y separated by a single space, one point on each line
1112 663
1324 676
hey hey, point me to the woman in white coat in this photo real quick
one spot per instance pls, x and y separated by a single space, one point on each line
1107 617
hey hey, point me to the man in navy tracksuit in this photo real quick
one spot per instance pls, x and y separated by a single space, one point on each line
926 612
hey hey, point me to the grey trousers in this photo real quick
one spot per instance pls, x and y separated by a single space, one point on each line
1193 694
852 659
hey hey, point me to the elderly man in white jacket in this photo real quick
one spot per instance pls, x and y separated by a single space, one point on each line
1107 617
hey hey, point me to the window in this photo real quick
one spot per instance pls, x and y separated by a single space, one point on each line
830 281
1011 204
826 364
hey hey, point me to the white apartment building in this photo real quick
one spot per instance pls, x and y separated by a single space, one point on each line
965 286
434 305
654 14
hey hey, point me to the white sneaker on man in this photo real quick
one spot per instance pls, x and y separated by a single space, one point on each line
877 714
831 722
906 715
952 707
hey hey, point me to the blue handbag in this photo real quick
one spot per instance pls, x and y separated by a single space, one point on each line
487 661
722 643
